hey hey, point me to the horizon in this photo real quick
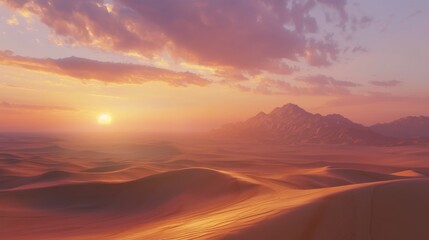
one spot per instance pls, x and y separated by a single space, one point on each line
214 119
363 60
101 131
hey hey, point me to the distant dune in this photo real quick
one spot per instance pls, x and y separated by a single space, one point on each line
331 177
208 188
110 168
182 188
10 181
409 173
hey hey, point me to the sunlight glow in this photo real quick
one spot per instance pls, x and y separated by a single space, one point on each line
104 119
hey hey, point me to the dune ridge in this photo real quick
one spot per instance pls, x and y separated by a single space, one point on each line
212 190
331 177
387 210
194 185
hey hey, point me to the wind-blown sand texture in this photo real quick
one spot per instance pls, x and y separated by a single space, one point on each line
198 188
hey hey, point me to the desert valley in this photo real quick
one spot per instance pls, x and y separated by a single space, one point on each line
288 174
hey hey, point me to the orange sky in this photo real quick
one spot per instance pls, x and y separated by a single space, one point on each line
63 64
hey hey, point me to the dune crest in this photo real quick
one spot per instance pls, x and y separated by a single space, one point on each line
409 173
331 177
392 210
181 188
212 190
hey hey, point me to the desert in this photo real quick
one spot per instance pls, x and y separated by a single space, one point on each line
212 187
214 119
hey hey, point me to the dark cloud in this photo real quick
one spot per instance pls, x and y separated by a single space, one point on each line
86 69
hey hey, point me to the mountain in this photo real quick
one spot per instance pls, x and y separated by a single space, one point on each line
412 127
291 124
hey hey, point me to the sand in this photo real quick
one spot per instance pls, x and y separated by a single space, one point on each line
180 187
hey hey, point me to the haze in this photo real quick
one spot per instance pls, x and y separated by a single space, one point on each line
189 66
214 119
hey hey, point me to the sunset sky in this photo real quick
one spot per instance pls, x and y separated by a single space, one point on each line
193 65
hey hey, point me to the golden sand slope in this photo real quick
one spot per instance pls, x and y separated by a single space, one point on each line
212 191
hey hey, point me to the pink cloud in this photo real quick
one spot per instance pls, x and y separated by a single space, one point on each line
9 105
314 85
322 80
374 97
271 87
249 35
86 69
390 83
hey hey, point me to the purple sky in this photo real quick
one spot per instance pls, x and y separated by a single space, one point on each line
363 59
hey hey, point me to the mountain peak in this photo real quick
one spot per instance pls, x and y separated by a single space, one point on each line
292 124
289 108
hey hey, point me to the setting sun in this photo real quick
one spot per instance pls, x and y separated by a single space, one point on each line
257 119
104 119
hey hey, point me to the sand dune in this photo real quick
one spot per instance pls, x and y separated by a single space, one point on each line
388 210
330 177
182 188
17 181
111 168
409 173
211 190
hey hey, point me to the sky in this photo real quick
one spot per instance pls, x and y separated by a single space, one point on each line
194 65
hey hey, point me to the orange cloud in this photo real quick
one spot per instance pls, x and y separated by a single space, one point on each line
12 21
82 68
8 105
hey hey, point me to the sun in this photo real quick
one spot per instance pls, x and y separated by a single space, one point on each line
104 119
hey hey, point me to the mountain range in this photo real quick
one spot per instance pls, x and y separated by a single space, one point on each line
412 127
291 124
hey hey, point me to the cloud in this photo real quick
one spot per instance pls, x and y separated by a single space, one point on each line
355 49
318 85
390 83
323 80
374 97
12 21
276 87
414 14
322 52
86 69
360 23
249 35
9 105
